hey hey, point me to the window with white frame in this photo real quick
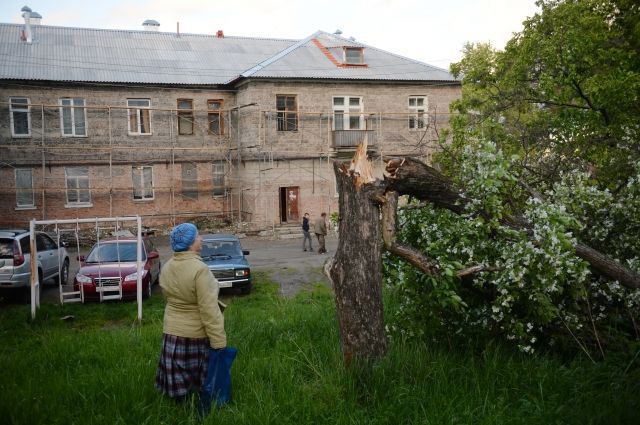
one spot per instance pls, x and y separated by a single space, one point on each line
417 112
20 116
142 178
139 116
77 181
24 188
219 173
348 113
73 117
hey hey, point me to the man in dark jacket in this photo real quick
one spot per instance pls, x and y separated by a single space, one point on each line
307 234
321 232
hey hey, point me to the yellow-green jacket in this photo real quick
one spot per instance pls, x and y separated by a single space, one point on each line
192 309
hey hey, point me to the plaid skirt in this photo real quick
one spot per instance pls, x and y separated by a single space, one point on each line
183 365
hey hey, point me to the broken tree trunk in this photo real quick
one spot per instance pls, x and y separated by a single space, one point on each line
408 176
356 270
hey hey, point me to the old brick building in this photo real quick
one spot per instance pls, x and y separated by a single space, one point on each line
170 126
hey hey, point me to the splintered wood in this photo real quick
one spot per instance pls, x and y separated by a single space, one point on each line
360 166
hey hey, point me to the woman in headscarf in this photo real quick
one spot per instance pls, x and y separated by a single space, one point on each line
193 321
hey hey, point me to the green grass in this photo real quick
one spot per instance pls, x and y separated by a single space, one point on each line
99 368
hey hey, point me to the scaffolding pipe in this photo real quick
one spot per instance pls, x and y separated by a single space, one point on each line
110 166
43 162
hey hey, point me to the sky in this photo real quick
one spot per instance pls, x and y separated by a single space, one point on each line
430 31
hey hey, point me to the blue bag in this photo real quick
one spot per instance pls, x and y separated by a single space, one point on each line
217 386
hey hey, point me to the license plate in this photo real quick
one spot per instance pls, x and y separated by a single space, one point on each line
225 284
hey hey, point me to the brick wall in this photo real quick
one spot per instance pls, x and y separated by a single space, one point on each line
259 159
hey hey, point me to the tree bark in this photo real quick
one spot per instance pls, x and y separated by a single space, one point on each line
356 270
411 177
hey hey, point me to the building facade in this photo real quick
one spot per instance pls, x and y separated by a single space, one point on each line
175 127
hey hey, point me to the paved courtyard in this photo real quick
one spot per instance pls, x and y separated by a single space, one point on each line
283 260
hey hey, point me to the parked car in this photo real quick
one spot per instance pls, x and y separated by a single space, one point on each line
225 257
112 262
15 259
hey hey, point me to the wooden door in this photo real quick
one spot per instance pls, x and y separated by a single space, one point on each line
289 204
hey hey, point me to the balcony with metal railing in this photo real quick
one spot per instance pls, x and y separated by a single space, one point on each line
348 140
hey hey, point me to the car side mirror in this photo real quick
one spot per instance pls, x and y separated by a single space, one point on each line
153 255
62 245
81 258
244 252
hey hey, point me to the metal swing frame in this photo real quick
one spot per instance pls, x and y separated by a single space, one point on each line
78 296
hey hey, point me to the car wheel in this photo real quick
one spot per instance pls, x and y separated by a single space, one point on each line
63 277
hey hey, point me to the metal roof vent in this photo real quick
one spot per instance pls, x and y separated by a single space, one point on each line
36 18
151 25
27 34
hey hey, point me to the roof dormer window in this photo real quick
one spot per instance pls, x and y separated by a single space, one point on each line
354 55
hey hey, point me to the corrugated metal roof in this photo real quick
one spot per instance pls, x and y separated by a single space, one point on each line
380 65
118 56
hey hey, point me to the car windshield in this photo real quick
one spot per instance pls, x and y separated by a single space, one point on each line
6 248
214 248
114 252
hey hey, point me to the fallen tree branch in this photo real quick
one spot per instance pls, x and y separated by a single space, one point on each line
476 269
409 176
389 205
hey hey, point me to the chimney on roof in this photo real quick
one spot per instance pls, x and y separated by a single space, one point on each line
26 14
35 19
220 34
151 25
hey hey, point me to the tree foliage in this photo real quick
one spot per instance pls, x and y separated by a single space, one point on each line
547 130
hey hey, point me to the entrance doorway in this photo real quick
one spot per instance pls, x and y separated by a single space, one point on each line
289 210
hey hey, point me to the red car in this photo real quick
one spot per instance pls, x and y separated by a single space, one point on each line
111 264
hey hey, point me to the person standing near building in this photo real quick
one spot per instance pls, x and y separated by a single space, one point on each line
321 232
193 321
306 233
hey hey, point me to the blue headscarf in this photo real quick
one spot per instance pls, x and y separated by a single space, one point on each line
182 236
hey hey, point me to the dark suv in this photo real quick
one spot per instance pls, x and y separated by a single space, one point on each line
15 259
